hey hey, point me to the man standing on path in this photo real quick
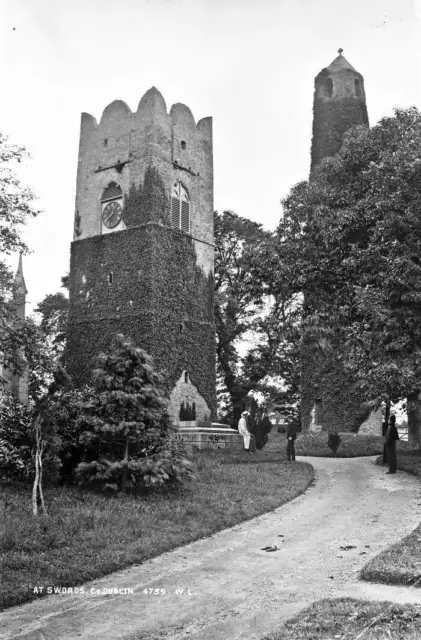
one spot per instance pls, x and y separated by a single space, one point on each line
291 437
390 443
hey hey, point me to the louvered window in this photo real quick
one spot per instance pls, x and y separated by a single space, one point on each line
112 192
180 208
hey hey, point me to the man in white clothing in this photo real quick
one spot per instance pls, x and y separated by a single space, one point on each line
248 438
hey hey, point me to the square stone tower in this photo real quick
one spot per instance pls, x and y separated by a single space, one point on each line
142 255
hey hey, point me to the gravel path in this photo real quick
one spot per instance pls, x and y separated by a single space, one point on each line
233 589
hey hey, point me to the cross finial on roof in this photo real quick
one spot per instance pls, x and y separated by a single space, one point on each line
340 51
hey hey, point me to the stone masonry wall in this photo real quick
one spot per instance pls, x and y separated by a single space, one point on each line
149 136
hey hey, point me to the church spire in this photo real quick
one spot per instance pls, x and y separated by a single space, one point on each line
19 290
20 286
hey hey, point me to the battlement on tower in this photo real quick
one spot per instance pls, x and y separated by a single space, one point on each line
121 147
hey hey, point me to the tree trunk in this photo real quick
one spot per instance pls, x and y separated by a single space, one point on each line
37 487
40 490
414 419
385 425
387 412
125 459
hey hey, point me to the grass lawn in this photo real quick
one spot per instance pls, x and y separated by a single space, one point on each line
87 535
399 564
346 618
408 457
351 445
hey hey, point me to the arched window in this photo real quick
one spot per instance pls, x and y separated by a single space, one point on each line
327 87
112 192
180 208
358 91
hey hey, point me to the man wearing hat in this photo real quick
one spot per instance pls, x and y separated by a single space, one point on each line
390 440
248 438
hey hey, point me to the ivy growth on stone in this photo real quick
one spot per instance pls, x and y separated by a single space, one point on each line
148 202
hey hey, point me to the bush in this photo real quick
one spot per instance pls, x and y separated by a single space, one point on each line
333 441
15 440
125 426
64 410
261 431
352 445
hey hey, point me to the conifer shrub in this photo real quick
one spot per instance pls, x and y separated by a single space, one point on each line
333 441
15 439
124 428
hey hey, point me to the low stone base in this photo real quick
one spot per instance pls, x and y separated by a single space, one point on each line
217 436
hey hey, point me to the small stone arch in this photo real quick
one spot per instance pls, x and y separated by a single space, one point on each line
328 86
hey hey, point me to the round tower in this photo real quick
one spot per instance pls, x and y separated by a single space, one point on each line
339 103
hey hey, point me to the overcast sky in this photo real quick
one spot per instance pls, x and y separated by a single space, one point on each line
250 64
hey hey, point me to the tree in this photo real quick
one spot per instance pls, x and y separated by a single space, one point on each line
44 340
16 208
15 439
249 310
45 435
125 427
353 235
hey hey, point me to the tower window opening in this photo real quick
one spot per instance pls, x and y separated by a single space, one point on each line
326 88
328 85
358 91
186 377
110 277
183 144
180 208
111 192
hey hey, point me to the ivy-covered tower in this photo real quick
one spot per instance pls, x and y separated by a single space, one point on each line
142 254
339 103
328 400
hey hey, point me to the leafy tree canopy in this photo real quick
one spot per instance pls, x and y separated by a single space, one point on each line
16 208
253 320
353 235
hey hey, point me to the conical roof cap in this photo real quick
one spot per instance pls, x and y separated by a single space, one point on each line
341 63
